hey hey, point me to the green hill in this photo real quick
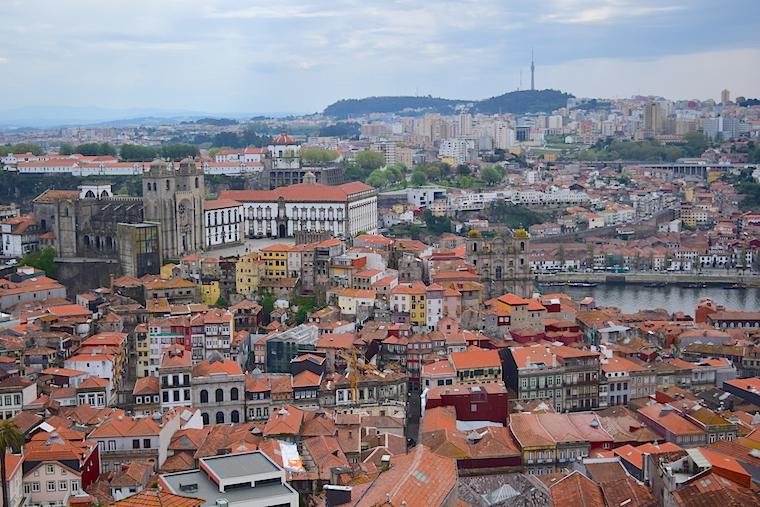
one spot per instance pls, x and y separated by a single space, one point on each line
525 101
519 102
358 107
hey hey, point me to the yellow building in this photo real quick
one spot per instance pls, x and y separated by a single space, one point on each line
142 349
410 298
166 271
248 273
275 259
210 292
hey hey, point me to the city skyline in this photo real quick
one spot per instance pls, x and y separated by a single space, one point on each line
226 56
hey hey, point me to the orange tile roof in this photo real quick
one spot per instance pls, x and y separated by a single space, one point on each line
306 378
670 419
220 204
146 385
285 420
577 489
158 498
418 478
306 192
216 367
124 426
476 358
620 364
336 341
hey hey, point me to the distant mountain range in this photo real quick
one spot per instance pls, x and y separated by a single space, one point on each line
518 102
61 116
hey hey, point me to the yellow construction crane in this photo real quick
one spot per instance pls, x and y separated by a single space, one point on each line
354 366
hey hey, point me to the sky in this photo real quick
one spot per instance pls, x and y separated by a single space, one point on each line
299 56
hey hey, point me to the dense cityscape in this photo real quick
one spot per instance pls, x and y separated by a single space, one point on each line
533 299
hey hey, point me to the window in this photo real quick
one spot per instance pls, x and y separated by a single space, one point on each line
205 418
74 485
49 469
235 416
219 395
63 485
136 443
146 443
234 394
220 418
35 487
204 396
51 485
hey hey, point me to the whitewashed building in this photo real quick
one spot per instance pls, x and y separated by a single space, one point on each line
222 222
343 210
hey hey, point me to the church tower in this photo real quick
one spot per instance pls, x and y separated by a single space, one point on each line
173 197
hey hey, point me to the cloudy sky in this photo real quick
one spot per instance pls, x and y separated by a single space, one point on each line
298 56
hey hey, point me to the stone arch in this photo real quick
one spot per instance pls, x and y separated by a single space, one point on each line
220 417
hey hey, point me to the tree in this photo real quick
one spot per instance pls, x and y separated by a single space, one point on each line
490 176
21 148
436 225
378 178
43 260
221 302
66 149
318 156
10 438
179 151
463 170
370 160
96 149
418 178
267 305
137 153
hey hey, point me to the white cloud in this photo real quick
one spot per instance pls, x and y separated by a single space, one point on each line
696 75
585 11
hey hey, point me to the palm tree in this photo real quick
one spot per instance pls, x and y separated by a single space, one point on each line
10 438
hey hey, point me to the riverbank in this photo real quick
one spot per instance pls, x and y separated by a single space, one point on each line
662 277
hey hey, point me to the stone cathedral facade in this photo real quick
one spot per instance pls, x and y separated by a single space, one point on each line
502 263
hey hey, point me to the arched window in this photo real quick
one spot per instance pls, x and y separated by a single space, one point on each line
196 182
220 417
167 184
204 415
234 393
219 395
204 396
522 246
86 240
109 242
498 272
235 416
97 242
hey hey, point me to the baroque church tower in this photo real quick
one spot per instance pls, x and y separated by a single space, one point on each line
173 196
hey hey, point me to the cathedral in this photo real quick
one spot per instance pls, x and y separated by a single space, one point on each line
173 197
502 263
91 222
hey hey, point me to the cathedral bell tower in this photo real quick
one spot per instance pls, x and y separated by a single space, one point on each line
173 197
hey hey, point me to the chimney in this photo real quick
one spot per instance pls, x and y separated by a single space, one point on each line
645 471
337 495
385 462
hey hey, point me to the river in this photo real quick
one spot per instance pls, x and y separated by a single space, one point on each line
633 297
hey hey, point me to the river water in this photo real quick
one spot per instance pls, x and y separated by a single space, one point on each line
632 297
